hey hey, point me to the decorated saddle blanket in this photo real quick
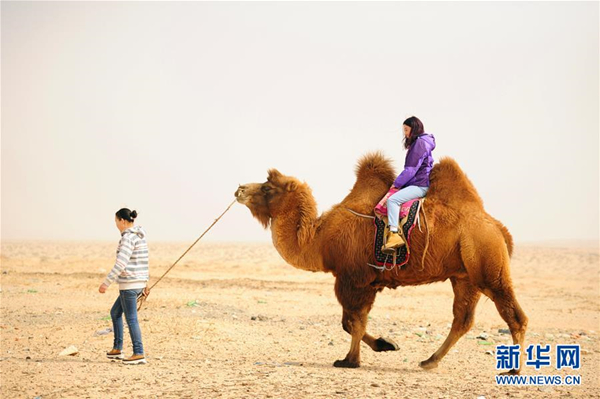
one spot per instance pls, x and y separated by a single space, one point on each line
409 215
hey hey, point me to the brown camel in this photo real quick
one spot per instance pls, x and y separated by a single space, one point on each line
466 245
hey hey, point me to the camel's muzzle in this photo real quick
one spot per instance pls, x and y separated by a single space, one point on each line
239 191
240 194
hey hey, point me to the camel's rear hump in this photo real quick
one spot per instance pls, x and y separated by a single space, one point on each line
450 184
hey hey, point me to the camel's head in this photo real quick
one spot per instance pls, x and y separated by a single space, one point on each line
266 200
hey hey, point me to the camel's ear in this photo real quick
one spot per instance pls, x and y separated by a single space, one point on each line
291 186
273 174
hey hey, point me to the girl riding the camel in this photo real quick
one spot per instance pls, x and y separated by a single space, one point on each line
413 182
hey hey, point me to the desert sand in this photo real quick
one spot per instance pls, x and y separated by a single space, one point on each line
234 320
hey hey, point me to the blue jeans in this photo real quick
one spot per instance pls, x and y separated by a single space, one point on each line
395 202
127 302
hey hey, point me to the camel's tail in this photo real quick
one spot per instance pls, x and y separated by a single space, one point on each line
507 236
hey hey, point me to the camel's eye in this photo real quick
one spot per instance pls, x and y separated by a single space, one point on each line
265 189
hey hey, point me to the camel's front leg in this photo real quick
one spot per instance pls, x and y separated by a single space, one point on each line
356 323
377 344
357 303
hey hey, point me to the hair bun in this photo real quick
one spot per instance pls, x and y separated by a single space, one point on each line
133 214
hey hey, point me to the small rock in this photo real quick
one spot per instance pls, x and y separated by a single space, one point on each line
70 351
28 358
375 385
585 352
331 343
103 332
545 389
481 397
483 336
503 331
489 353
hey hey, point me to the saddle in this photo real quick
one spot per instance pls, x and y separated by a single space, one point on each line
409 217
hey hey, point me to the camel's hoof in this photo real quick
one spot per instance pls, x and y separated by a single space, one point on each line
385 344
428 364
346 364
511 372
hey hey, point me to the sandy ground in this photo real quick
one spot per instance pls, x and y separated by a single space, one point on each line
236 321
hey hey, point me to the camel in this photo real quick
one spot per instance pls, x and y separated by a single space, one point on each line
466 245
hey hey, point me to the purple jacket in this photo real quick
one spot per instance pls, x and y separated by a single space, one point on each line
418 163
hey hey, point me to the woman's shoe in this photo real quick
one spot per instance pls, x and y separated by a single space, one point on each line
115 354
394 241
135 359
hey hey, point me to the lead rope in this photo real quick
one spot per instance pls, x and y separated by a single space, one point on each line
144 294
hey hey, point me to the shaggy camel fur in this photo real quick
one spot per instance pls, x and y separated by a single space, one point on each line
466 245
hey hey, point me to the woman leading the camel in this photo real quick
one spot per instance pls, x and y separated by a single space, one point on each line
413 182
131 273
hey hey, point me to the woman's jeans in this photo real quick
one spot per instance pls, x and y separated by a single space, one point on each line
396 200
127 302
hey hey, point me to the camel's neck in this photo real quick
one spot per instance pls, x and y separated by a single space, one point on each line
293 231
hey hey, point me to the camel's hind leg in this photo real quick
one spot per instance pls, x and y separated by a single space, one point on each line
510 310
466 296
490 269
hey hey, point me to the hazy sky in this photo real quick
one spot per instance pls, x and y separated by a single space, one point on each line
166 107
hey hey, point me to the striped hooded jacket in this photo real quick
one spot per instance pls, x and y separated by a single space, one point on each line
131 267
